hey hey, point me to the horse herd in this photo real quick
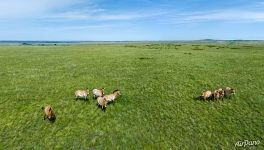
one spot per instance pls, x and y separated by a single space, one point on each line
98 94
218 94
103 100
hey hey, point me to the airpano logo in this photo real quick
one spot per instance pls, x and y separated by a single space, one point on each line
247 143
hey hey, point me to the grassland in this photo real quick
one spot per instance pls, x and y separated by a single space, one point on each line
158 108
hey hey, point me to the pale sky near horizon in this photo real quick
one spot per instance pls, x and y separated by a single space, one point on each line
125 20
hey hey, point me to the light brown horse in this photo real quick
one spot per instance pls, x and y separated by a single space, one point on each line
113 96
206 95
101 101
49 113
229 92
98 92
82 94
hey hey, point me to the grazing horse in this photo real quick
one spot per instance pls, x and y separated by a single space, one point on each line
229 92
101 101
98 93
48 113
206 95
113 96
82 94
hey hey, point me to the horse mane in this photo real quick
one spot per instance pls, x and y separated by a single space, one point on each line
115 91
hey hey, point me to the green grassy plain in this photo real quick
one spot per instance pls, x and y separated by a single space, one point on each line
158 107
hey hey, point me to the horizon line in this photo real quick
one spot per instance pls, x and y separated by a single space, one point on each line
129 40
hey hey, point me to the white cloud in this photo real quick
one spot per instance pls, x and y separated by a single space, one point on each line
78 27
62 10
29 8
104 15
54 10
230 15
216 15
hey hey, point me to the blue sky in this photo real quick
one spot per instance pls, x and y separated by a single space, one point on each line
110 20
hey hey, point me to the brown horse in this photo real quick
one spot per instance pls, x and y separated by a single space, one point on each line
49 113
